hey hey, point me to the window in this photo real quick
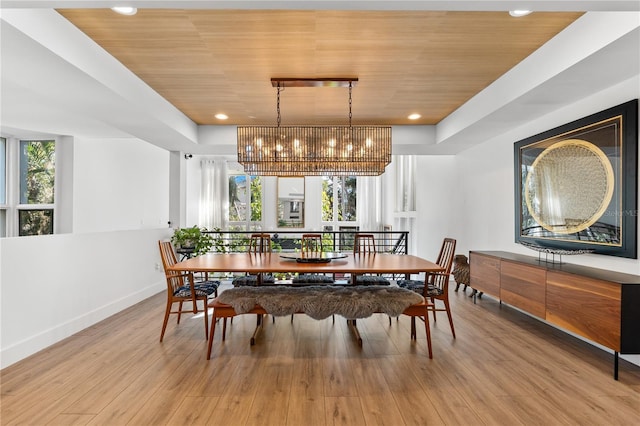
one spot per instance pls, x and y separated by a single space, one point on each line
27 187
245 202
37 183
339 199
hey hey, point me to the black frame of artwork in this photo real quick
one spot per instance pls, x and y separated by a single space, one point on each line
612 136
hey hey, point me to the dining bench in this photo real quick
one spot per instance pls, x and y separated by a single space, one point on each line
319 302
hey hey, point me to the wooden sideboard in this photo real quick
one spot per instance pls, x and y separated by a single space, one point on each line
599 305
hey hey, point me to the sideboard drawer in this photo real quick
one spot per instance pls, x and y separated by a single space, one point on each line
524 287
585 306
484 272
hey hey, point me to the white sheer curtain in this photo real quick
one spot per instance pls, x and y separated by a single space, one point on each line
368 204
405 201
405 183
214 194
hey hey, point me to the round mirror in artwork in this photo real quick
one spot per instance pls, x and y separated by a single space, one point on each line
569 186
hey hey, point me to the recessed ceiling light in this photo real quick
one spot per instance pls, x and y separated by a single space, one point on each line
125 10
221 116
519 13
414 116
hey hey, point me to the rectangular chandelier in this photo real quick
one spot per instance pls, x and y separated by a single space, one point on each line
314 150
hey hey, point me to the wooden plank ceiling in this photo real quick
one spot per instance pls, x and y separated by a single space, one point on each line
221 61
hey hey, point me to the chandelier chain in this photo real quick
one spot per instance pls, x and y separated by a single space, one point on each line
350 102
278 105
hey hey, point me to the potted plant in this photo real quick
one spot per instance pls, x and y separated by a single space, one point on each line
193 240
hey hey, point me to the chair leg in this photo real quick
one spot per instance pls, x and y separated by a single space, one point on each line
166 319
448 309
433 308
213 330
427 329
224 328
179 311
206 319
413 328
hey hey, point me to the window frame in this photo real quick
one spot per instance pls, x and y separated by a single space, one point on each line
335 223
12 206
247 224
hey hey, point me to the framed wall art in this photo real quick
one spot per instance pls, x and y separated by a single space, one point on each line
576 186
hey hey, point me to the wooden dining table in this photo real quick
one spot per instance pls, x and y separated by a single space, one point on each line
352 264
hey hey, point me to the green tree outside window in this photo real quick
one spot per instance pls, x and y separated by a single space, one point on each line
37 186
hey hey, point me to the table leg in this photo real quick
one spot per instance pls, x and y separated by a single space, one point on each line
353 326
259 321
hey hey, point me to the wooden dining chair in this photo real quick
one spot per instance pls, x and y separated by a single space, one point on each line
437 283
311 243
181 287
258 243
365 244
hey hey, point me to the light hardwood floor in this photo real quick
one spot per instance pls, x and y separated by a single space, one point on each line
504 368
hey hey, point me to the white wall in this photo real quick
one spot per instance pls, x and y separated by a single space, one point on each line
119 184
55 285
435 196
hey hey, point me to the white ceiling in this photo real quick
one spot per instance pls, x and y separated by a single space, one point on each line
55 80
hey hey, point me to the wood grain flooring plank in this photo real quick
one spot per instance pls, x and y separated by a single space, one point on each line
270 403
195 410
237 398
127 403
306 403
408 394
375 395
70 420
162 405
344 411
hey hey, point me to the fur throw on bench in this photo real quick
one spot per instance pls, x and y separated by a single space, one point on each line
320 302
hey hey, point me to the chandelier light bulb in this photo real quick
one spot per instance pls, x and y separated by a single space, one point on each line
519 13
125 10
